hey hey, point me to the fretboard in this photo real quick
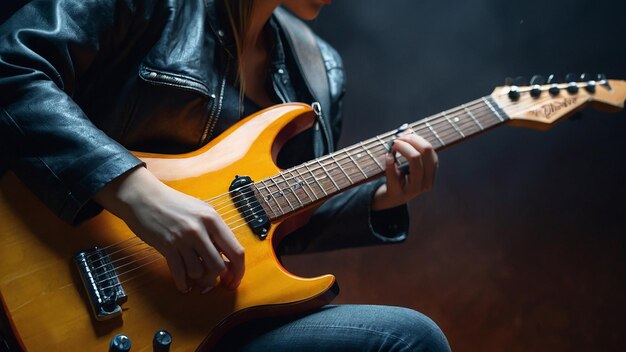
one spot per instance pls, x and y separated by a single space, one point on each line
318 179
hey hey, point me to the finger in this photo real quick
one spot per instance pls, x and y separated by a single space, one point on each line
177 268
206 283
394 177
228 278
211 258
230 246
193 265
430 160
416 168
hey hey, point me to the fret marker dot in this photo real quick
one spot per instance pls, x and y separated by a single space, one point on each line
456 119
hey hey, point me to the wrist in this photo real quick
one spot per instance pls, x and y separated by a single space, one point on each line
122 194
381 199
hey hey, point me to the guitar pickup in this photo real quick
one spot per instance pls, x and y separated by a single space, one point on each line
248 205
103 286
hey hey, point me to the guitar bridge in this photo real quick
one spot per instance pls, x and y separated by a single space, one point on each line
103 286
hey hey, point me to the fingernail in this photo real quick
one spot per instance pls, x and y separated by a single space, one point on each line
207 289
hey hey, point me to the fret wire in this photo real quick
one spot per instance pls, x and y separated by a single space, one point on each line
281 193
453 125
290 188
384 144
453 120
382 168
354 161
434 133
306 184
492 109
341 168
349 159
306 165
327 174
262 200
271 195
465 123
473 117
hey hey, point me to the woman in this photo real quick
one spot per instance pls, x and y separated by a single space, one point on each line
84 81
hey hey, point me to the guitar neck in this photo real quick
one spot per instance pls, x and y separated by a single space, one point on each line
318 179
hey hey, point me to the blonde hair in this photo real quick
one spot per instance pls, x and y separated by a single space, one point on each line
239 15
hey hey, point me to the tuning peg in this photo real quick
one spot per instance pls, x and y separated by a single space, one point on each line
571 77
537 80
572 86
590 82
601 78
554 86
508 81
552 79
514 93
520 81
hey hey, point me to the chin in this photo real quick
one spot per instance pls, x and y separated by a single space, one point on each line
306 10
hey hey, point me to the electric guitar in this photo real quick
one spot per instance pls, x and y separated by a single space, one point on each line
77 288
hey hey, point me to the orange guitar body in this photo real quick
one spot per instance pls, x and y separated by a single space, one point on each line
44 297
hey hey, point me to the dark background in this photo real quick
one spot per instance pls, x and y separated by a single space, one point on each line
520 247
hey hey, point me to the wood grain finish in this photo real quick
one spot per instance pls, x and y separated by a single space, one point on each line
44 296
40 289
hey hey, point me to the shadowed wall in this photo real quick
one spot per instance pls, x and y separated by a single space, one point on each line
521 244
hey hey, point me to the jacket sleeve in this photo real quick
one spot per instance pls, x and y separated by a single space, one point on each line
46 48
346 220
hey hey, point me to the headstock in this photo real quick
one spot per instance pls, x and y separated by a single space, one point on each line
542 103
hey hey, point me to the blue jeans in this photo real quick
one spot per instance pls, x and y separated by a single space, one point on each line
340 328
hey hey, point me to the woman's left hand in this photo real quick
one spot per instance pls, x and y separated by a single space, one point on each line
404 186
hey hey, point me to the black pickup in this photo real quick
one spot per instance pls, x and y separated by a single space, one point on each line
246 202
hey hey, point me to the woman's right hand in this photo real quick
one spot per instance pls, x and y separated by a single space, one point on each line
188 232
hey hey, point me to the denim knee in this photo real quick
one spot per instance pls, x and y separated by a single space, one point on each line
419 331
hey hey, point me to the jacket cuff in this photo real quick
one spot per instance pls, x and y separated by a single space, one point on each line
389 225
80 206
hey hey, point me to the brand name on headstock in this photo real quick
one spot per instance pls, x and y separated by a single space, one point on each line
550 109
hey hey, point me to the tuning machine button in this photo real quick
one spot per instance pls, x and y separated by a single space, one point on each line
572 85
514 93
554 86
590 82
120 343
554 89
601 78
536 82
162 341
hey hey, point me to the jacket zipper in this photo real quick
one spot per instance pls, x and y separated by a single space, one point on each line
158 78
216 109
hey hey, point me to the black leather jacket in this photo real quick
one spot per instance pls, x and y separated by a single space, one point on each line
81 82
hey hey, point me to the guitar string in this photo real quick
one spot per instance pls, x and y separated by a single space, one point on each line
419 124
461 109
384 136
227 199
245 219
544 88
